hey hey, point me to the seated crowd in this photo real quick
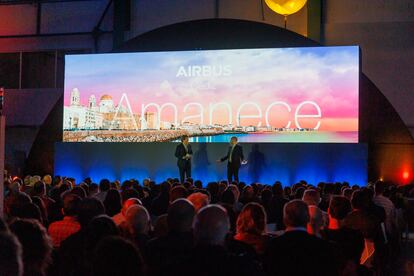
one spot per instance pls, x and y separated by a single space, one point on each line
53 226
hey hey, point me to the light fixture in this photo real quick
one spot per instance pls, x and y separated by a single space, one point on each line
285 7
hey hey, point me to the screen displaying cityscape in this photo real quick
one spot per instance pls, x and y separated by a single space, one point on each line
259 95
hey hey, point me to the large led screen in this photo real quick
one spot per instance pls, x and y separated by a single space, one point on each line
259 95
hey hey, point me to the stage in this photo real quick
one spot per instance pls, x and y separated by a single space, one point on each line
267 162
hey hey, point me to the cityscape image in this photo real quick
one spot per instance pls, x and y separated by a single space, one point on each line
259 95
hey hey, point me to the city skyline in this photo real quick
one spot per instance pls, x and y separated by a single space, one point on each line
295 88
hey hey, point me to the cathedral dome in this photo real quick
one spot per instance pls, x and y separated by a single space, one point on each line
106 98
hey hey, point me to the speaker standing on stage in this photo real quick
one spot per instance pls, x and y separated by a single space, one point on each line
235 159
183 152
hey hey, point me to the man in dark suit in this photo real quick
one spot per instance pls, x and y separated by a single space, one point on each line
235 158
296 252
183 152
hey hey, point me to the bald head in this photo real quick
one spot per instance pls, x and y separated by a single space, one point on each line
311 197
199 200
211 225
137 219
128 203
180 215
296 214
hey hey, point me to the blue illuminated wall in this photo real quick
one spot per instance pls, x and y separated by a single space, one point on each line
268 162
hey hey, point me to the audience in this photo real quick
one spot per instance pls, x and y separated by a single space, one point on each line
187 229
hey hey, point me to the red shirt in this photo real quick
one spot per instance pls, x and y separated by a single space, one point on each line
62 229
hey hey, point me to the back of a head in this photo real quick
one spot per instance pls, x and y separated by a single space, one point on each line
15 202
328 188
85 187
199 200
71 204
47 179
79 191
113 202
267 195
88 209
93 188
296 213
211 225
213 188
299 192
380 187
165 188
235 191
130 202
11 263
98 228
161 226
104 185
360 200
28 211
311 197
180 215
39 188
198 184
137 219
277 189
228 197
36 245
116 256
339 207
178 192
347 192
252 219
129 193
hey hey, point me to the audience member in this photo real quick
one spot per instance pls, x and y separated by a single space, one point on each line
36 245
117 256
104 186
350 243
119 218
199 200
112 202
164 252
296 252
138 223
251 226
11 262
60 230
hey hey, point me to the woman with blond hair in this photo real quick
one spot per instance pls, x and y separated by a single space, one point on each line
251 226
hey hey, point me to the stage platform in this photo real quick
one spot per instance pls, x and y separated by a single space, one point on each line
267 162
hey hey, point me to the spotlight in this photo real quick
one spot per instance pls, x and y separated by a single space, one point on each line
405 175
